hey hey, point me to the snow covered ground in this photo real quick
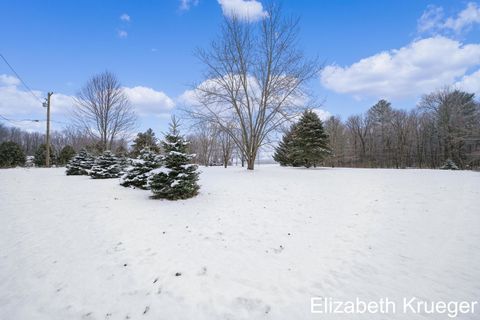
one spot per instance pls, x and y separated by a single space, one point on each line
252 245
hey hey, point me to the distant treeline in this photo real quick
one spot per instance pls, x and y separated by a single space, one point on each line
30 142
445 125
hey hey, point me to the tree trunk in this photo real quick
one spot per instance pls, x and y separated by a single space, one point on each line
250 163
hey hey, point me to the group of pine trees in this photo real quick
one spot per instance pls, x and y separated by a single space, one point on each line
12 155
170 176
304 144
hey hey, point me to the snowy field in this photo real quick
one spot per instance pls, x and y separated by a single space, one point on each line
252 245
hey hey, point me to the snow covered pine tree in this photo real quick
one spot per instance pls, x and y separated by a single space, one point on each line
80 164
137 175
106 166
178 179
449 165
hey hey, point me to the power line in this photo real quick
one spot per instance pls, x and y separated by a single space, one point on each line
30 120
20 78
18 122
7 120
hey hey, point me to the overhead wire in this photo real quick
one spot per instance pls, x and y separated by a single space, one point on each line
20 78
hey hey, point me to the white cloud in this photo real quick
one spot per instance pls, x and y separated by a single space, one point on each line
62 104
250 10
432 20
188 98
465 19
148 101
470 83
22 107
125 17
187 4
322 114
16 103
420 67
122 34
7 80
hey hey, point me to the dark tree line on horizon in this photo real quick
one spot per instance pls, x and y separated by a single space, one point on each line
445 125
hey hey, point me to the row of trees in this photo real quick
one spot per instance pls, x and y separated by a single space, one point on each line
12 155
169 176
445 125
255 83
30 142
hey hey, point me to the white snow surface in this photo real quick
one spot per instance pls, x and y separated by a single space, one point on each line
251 245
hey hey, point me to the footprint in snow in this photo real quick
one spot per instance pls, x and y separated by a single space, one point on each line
280 249
203 271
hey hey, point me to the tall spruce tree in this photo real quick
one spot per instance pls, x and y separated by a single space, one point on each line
310 142
106 166
80 164
137 175
178 179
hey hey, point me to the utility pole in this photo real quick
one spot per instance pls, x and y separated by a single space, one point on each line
47 152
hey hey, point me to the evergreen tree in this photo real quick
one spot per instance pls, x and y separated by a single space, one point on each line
284 151
106 166
41 154
137 175
449 165
80 164
310 142
66 154
124 162
178 179
11 155
144 140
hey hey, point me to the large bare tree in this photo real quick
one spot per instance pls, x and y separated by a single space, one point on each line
103 110
456 117
255 79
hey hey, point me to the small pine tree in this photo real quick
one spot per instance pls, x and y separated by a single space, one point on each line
106 166
66 154
178 179
144 140
80 164
137 175
11 155
124 163
310 142
41 154
449 165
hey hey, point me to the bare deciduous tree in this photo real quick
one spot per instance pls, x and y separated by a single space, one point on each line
255 80
103 110
455 116
226 143
359 127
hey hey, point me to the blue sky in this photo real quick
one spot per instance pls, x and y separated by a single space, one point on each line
372 50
